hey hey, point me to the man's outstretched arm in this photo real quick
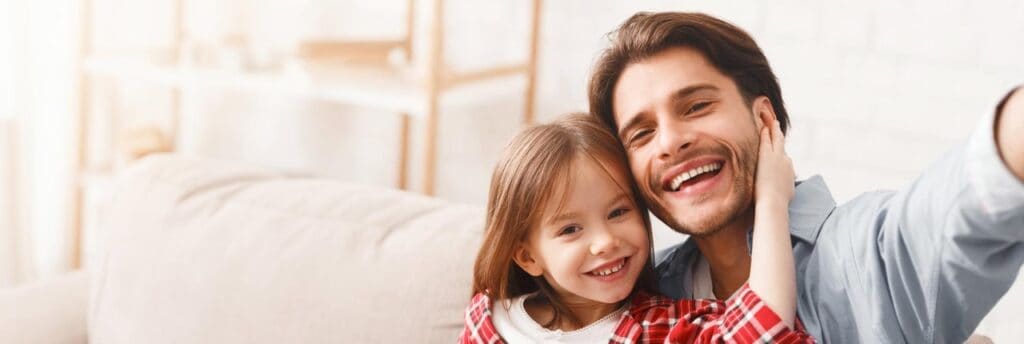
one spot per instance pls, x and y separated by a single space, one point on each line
925 263
1010 131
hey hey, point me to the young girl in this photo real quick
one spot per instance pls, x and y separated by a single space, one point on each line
566 255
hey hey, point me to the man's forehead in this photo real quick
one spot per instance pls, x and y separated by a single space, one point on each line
647 82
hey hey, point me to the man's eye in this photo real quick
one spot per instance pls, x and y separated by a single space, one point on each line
618 212
569 230
698 107
639 134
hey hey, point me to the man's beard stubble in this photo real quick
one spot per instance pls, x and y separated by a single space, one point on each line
733 210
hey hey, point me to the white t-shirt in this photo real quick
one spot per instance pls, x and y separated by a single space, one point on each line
703 288
516 326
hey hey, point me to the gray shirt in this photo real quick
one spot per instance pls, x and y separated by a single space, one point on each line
923 264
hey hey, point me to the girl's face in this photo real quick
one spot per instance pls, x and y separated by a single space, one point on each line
593 247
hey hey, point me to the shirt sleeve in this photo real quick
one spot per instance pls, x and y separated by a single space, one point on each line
478 326
746 319
926 263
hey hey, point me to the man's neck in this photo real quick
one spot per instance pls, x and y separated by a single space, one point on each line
728 256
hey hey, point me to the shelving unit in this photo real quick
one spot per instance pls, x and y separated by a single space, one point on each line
382 89
392 89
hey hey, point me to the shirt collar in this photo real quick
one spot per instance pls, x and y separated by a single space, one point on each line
812 203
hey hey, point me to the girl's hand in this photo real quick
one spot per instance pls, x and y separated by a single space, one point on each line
772 273
775 174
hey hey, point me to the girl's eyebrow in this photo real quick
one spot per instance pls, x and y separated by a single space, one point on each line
563 217
572 215
617 199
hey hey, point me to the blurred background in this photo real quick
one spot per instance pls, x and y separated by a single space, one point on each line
373 92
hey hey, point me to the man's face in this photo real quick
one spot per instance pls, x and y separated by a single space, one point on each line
690 137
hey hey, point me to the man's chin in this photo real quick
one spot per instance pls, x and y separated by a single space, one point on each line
702 219
698 227
702 227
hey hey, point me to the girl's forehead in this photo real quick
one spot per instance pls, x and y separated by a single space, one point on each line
608 170
605 172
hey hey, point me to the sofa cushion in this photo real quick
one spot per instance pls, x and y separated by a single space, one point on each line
195 251
49 311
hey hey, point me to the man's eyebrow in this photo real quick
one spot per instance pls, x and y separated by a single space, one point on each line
690 90
676 96
632 122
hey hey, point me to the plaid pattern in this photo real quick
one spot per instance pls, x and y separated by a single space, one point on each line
744 318
479 328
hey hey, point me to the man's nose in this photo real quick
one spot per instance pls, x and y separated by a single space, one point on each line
674 135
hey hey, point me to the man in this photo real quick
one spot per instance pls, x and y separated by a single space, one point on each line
685 92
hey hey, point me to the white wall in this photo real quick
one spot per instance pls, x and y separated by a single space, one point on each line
38 48
47 100
10 230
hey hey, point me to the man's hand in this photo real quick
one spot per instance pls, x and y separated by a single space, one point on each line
1010 131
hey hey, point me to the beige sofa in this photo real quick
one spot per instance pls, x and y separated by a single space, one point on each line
204 252
193 251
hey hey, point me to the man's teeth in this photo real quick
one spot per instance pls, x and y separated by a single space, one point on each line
680 179
611 270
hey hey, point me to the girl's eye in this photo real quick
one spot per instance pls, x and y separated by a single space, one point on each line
570 229
618 212
698 107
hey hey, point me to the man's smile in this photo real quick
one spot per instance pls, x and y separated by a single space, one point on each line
687 175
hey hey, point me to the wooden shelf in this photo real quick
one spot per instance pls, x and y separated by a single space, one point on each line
377 88
388 89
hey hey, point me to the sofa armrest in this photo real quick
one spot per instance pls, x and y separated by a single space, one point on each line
49 311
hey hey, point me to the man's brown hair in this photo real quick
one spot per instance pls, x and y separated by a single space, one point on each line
731 50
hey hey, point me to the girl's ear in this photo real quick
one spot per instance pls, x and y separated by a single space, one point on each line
763 111
525 260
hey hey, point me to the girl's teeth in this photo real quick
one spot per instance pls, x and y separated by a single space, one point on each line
610 271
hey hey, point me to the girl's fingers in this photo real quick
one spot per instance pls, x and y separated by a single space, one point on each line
766 140
767 120
777 138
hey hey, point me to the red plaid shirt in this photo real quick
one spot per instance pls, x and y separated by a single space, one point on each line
743 318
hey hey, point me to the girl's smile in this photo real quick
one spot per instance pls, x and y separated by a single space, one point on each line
611 271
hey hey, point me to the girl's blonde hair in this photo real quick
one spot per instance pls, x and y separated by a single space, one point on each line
534 166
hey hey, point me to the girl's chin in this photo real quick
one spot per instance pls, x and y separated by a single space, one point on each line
612 297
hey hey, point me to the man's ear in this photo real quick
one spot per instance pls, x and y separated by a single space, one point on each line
763 111
525 260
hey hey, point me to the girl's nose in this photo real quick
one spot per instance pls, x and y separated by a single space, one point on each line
603 242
